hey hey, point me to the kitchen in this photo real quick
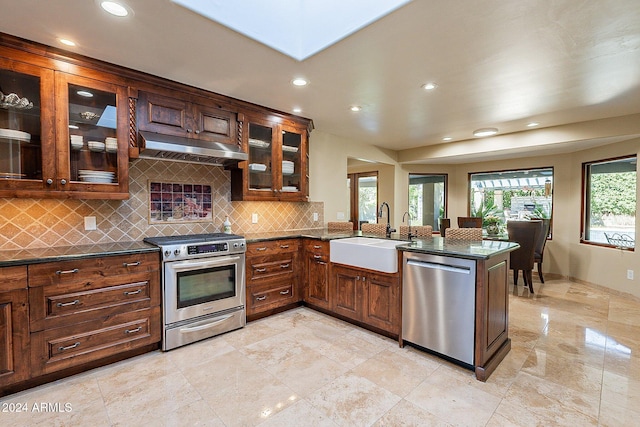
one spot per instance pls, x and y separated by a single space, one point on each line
35 223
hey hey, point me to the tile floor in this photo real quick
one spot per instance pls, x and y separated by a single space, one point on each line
575 361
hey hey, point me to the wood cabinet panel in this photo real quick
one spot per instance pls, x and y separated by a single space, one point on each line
271 295
348 293
14 336
61 348
261 268
272 247
317 273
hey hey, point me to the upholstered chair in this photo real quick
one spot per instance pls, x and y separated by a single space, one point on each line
525 233
424 231
464 234
340 226
380 229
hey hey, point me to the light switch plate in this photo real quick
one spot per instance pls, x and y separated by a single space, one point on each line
315 216
630 274
90 223
340 215
254 218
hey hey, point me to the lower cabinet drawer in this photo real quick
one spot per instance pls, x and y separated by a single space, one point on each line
261 268
271 295
61 348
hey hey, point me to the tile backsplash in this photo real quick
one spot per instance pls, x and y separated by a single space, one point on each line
38 223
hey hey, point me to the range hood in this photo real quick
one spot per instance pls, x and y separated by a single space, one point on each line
173 148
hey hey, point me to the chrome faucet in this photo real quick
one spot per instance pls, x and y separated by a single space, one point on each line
389 229
407 214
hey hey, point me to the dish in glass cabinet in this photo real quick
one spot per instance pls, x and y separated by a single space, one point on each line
258 143
12 100
289 149
15 134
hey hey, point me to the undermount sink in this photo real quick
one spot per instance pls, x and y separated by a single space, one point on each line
366 252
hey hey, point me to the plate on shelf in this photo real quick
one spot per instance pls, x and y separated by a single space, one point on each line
289 149
290 189
15 134
259 167
258 143
96 146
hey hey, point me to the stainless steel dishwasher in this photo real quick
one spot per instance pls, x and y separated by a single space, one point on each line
438 304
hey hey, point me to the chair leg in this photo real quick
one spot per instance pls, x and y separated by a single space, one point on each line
529 274
516 273
540 272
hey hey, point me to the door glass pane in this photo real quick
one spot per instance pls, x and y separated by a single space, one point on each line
93 138
260 177
427 199
367 199
291 143
20 129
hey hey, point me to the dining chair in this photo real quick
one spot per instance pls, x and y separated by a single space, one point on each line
540 244
464 234
469 222
443 224
379 229
340 226
417 231
524 233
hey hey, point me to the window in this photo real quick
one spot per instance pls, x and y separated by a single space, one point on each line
427 199
516 194
609 202
364 197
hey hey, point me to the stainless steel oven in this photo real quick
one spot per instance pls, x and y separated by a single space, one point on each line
203 284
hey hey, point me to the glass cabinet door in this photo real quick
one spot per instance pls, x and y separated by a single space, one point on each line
291 165
23 135
89 133
260 157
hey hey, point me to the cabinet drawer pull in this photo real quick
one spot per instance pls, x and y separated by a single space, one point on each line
133 331
69 347
321 262
284 292
317 256
284 246
261 298
66 304
131 264
132 292
260 270
317 246
75 270
284 265
264 248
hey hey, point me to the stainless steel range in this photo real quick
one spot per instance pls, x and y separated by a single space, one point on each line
203 284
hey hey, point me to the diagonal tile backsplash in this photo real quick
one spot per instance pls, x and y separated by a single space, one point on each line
38 223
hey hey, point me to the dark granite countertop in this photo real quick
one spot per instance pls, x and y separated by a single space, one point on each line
482 249
64 253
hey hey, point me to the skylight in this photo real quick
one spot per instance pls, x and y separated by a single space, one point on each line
297 28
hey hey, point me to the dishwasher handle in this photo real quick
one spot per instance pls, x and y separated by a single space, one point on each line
443 267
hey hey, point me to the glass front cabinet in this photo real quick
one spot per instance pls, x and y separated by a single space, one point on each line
277 168
60 133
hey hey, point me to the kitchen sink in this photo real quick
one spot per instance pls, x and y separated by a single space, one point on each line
366 252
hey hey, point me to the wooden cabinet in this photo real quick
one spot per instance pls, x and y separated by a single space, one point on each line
366 296
83 311
316 271
272 276
175 115
62 135
14 326
278 164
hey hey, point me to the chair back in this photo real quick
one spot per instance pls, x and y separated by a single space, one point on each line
418 230
525 233
340 226
464 234
542 239
379 229
469 222
443 224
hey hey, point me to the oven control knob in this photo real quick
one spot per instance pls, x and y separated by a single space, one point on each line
176 252
167 253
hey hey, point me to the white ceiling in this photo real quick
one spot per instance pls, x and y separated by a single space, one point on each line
497 63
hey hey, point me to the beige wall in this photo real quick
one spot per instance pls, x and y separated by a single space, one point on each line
564 254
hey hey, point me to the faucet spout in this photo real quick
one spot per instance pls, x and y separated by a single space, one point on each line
408 216
389 229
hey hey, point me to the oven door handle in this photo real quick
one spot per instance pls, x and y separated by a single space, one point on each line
210 262
215 322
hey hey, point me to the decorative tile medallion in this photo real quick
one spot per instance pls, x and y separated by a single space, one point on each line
179 202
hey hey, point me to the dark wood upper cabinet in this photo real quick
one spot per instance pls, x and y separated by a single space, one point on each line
171 115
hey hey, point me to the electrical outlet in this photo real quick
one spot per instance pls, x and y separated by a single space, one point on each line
630 274
340 215
254 218
315 216
90 223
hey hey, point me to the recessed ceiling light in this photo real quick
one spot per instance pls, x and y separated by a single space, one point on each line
355 108
85 93
485 132
532 124
67 42
447 138
114 8
429 86
299 82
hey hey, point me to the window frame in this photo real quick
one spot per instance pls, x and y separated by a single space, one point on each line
584 202
446 191
354 196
